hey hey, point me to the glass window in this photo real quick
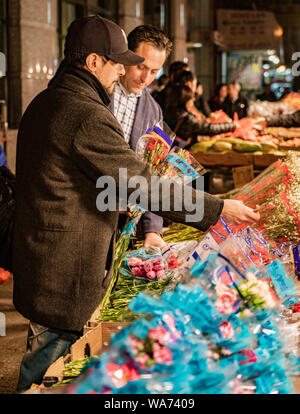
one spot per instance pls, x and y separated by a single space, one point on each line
157 13
106 8
70 10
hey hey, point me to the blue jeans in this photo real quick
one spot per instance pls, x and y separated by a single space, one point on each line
44 346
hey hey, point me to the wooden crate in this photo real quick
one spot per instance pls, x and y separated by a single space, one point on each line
235 159
93 342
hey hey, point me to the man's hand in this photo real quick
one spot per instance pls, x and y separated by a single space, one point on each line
154 240
235 212
127 213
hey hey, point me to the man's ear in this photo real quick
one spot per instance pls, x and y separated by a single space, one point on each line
91 62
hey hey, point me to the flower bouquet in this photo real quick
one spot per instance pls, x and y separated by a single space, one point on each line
189 347
145 263
153 147
275 194
153 349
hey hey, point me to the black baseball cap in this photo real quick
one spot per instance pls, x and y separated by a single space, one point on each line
95 34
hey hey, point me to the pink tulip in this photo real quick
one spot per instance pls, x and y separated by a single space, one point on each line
137 271
160 275
135 261
151 275
148 265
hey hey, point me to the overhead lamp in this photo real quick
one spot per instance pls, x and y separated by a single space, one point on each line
275 59
278 32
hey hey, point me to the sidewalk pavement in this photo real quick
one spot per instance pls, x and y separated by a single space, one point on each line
12 345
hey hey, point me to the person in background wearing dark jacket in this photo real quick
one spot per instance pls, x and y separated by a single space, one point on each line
184 123
200 102
175 68
235 102
286 121
162 82
135 108
267 95
188 78
216 102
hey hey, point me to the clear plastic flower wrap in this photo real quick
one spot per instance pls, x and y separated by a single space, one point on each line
153 147
180 164
145 263
275 194
230 289
109 373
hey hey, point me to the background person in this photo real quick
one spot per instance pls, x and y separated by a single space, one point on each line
200 102
235 102
175 68
183 122
216 102
189 79
162 82
267 95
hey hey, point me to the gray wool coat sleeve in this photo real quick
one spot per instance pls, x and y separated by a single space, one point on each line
104 157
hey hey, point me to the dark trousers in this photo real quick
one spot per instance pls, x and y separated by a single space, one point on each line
44 346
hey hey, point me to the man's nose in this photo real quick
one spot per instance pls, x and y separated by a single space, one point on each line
145 77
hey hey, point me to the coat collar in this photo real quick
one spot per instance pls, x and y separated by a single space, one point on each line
75 78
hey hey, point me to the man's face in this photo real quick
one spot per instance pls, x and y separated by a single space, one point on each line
109 73
139 77
223 91
233 91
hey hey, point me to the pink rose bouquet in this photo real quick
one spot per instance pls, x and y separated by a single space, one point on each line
152 350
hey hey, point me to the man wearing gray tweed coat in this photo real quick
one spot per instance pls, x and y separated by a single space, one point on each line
67 139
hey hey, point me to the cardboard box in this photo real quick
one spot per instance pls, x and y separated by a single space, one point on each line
94 341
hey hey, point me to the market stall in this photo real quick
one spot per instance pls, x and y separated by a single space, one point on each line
213 312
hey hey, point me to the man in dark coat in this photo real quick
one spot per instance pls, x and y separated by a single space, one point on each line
235 102
63 244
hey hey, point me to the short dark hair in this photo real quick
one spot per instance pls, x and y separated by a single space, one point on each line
219 86
77 59
183 77
162 80
149 34
177 97
177 66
